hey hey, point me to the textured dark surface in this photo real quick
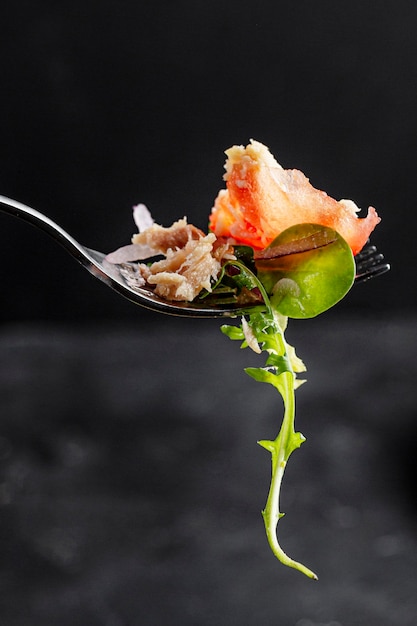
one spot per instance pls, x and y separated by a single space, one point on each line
131 483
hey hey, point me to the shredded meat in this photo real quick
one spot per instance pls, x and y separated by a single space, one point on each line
163 239
192 259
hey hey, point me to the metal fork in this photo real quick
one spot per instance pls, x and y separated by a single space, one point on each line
370 263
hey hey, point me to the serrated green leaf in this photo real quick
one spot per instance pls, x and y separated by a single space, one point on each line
233 332
261 375
280 362
267 444
267 328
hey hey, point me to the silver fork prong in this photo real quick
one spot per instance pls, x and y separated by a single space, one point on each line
370 263
371 272
375 259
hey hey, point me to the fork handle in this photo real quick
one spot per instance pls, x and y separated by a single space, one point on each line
27 214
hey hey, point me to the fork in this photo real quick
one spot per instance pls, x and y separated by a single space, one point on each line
370 263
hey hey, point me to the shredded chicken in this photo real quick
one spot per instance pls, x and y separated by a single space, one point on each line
192 259
162 239
184 271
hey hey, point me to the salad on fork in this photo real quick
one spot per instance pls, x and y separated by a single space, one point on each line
277 248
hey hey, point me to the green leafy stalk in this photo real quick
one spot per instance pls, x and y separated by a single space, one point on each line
306 270
281 448
264 331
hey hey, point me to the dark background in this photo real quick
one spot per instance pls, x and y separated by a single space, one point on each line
130 480
105 105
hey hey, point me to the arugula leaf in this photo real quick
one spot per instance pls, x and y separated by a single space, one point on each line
266 328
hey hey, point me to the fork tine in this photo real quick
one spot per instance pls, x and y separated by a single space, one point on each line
375 259
370 263
372 271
